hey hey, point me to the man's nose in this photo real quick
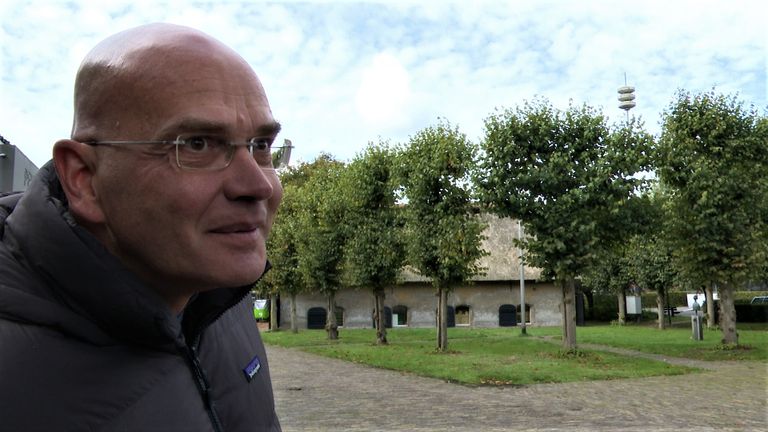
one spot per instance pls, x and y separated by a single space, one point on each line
246 179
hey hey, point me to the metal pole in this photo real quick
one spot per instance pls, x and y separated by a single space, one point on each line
522 280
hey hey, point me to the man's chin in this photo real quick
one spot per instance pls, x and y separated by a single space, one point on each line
243 276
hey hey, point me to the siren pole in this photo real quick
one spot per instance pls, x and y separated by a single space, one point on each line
626 97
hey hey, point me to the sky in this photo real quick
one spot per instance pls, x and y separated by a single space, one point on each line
342 74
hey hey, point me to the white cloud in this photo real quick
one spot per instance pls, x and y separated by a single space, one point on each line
340 74
384 93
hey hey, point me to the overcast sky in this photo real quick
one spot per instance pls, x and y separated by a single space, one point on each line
341 74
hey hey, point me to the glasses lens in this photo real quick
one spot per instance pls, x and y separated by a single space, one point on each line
202 152
261 151
210 152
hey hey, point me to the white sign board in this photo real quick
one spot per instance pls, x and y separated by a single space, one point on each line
634 305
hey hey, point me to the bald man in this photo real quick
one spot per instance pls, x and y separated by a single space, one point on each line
126 266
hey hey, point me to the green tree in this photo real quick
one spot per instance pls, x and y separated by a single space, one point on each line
284 277
610 274
319 232
570 179
442 232
374 251
650 254
712 159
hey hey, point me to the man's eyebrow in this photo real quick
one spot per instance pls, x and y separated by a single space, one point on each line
194 124
269 129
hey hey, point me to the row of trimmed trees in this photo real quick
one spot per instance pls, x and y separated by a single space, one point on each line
357 225
605 205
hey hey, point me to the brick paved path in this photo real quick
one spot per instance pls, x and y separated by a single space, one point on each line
314 393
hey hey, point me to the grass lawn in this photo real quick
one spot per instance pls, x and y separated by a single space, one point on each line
676 341
477 356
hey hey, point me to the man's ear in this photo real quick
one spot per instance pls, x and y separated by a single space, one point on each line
76 166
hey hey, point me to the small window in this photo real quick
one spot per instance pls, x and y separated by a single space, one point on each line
339 316
507 315
527 313
400 316
462 316
316 318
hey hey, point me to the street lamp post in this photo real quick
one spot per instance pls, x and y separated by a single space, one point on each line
522 280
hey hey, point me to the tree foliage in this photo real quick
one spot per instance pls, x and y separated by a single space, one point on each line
713 159
284 276
374 251
570 179
650 254
319 232
610 273
442 232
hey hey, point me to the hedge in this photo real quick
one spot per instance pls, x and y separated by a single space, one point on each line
746 296
752 313
676 298
605 307
679 298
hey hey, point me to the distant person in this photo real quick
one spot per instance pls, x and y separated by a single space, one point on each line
126 266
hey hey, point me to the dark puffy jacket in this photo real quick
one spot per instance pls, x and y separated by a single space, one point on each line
85 346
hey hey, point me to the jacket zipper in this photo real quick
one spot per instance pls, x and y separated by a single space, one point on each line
202 385
197 369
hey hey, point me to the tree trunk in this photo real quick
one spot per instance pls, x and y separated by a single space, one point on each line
442 319
728 315
710 298
294 323
622 307
569 314
661 302
379 318
331 326
438 319
273 323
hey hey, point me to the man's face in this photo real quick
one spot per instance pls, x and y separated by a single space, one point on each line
187 231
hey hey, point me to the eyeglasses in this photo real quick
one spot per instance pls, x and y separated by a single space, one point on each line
203 152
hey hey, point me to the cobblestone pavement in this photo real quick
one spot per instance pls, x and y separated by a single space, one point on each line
315 393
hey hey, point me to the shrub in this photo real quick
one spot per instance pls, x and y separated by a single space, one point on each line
676 298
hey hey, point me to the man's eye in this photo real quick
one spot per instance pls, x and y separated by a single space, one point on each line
260 144
202 143
197 143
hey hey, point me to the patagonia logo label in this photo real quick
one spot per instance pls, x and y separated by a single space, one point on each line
252 368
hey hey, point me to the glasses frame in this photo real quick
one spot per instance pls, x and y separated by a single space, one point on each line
282 162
